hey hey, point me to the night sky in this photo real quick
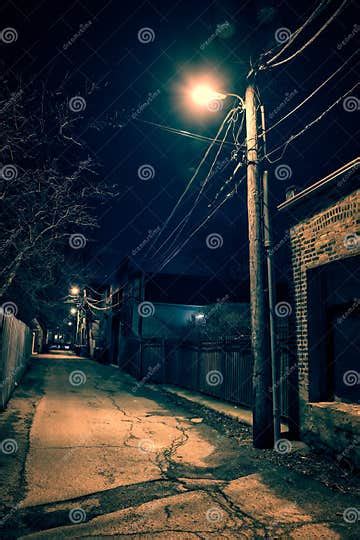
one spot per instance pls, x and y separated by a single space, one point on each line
126 83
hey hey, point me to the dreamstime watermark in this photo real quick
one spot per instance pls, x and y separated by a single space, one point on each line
349 37
219 167
220 30
12 375
77 104
75 37
146 446
283 446
9 446
146 309
15 96
146 35
283 241
151 234
214 241
77 515
219 302
283 172
351 104
351 241
351 515
349 311
77 241
214 515
283 377
282 35
140 109
9 514
8 35
288 97
215 105
348 175
9 309
351 377
283 309
214 378
150 372
77 378
9 172
146 172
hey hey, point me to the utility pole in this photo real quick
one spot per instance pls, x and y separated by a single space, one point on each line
87 326
263 430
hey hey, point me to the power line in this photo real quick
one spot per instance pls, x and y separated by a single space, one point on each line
325 25
175 252
182 132
294 34
312 93
293 137
185 220
180 199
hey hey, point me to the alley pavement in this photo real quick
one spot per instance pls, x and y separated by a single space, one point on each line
88 452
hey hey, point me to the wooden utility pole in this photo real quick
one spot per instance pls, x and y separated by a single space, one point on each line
263 430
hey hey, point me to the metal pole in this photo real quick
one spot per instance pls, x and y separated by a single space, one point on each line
272 302
263 429
272 291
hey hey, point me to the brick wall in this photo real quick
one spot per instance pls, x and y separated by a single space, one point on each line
329 235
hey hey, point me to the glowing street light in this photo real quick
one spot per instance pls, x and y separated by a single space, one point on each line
73 311
203 94
74 291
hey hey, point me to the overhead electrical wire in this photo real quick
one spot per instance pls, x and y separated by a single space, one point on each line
312 93
101 308
317 119
180 199
295 34
176 251
182 132
299 51
185 220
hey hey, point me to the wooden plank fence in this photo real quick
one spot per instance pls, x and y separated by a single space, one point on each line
219 368
15 352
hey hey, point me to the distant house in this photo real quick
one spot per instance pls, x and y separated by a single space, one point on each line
147 304
325 244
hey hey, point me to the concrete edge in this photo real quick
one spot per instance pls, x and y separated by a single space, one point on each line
234 412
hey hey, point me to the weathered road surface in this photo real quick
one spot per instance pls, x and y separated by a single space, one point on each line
97 456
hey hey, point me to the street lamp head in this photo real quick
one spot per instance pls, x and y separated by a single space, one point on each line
74 290
203 94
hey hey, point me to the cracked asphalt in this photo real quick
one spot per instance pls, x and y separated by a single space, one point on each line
97 455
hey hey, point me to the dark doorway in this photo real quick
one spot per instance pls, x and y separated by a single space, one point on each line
334 331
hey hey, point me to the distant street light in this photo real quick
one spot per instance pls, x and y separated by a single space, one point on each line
69 323
74 291
73 311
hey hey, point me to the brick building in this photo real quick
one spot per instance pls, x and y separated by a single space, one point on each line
325 245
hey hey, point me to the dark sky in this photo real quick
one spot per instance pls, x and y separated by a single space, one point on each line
119 76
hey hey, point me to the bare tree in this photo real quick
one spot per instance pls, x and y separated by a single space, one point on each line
49 185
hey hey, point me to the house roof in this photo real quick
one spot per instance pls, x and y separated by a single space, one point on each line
336 183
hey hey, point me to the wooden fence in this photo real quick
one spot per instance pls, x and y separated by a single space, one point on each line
222 369
15 351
